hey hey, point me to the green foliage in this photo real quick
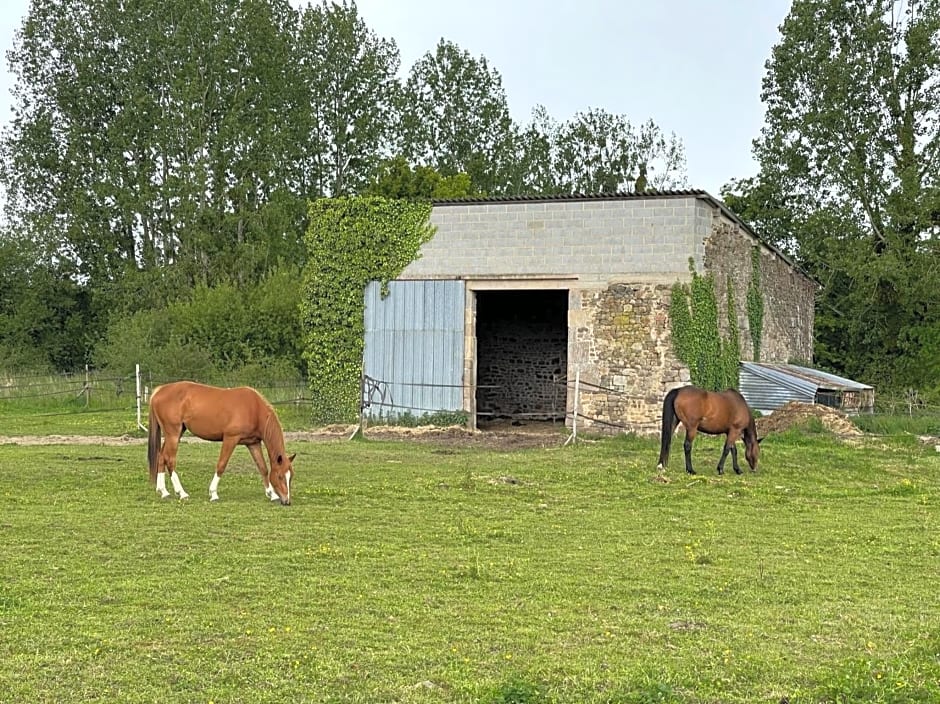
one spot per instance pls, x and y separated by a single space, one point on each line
159 151
680 320
352 95
693 313
441 419
155 133
350 242
731 347
848 183
755 303
455 118
45 317
595 151
397 179
214 330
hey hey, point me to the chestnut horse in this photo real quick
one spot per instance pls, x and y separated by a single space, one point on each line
713 412
233 417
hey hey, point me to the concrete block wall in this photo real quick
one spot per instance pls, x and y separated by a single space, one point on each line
597 240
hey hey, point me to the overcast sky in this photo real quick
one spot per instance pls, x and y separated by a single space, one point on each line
693 67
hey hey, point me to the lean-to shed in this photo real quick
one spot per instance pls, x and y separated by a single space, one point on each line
767 387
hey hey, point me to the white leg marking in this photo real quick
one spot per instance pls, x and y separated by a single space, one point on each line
214 489
178 486
659 466
288 478
161 485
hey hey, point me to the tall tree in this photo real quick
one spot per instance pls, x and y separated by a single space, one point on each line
851 148
456 118
350 121
149 132
595 152
397 179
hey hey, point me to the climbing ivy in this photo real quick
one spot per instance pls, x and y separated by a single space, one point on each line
731 348
693 313
755 304
350 241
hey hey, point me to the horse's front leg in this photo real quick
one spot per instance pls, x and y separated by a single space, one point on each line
733 449
721 460
258 457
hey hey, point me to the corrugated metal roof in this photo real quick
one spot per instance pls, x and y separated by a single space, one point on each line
803 378
617 195
767 389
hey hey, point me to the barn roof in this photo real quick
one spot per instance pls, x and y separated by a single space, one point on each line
803 378
631 195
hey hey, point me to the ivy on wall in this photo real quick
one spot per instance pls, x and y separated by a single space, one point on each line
693 313
350 241
755 304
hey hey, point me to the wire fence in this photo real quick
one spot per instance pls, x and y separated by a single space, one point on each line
588 405
574 401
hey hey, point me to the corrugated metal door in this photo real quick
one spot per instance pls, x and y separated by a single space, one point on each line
414 347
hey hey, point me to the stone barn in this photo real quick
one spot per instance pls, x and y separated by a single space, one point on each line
514 300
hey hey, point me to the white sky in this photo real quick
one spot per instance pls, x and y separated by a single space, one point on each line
694 67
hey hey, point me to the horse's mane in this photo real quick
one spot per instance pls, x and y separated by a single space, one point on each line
272 433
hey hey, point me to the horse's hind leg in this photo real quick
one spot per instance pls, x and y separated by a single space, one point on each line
161 477
228 447
163 456
168 464
687 447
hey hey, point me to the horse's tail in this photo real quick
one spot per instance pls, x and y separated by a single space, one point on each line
669 425
153 444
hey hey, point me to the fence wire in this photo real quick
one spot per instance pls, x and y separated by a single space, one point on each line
92 392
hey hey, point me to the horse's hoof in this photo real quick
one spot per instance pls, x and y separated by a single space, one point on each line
182 496
214 497
164 495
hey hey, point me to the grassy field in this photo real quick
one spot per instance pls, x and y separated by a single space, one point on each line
408 572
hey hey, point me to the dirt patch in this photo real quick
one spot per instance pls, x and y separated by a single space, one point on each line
795 413
506 436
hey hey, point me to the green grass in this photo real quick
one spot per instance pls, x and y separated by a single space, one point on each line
105 415
891 424
417 573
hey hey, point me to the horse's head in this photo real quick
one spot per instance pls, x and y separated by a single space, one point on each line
752 449
282 472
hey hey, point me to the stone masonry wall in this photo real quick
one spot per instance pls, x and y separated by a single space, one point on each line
789 297
519 370
623 345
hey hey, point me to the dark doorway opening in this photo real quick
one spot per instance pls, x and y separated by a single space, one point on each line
522 356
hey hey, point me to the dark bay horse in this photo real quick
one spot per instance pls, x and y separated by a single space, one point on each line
712 412
239 416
